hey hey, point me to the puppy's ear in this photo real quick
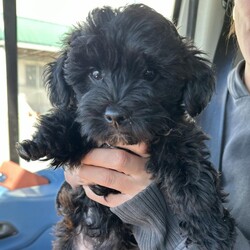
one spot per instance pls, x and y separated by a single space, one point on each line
59 91
200 87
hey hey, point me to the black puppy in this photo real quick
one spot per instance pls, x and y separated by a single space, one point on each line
126 76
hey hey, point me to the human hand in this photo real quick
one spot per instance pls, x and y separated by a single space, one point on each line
241 16
113 168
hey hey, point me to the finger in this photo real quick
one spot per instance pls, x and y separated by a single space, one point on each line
111 200
115 159
109 178
140 149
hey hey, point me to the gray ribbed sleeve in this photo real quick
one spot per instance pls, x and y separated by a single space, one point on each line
154 225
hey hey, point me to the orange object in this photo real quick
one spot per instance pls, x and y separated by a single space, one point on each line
15 177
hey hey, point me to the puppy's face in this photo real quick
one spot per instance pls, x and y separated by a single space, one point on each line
129 75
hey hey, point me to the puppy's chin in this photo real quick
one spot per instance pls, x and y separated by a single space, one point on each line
125 147
117 139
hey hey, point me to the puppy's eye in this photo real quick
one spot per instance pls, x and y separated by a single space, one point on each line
149 75
96 74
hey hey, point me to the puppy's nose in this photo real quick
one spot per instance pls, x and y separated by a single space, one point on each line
113 116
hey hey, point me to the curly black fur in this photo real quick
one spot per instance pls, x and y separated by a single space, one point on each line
127 76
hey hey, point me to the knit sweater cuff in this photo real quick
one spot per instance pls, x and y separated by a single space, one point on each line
154 225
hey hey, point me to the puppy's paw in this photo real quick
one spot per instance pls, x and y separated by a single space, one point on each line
103 191
29 150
